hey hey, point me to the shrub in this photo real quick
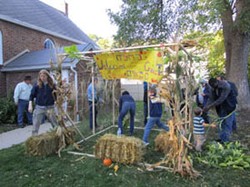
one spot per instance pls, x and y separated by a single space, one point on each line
7 111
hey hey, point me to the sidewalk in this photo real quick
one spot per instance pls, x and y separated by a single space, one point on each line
17 136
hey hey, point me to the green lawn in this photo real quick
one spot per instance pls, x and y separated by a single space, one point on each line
19 169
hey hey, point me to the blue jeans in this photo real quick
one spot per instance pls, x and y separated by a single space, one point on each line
91 115
23 107
226 126
145 104
150 124
234 126
127 107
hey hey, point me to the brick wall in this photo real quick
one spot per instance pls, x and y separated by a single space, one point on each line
15 40
12 79
2 84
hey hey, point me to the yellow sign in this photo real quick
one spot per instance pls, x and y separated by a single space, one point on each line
138 65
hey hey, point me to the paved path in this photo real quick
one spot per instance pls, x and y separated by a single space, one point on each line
17 136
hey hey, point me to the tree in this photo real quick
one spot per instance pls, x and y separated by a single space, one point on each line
102 42
235 16
154 21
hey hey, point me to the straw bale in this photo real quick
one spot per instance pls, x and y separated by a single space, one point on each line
165 143
121 149
47 143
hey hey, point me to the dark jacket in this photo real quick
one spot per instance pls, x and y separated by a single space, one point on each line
155 109
123 99
43 95
223 98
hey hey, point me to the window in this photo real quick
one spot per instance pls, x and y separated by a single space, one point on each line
49 44
1 48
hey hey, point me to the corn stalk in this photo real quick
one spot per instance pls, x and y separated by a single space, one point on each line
62 94
178 90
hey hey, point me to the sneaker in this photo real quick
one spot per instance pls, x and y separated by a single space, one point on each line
21 126
146 143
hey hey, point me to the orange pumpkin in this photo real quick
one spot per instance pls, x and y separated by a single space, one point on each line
107 162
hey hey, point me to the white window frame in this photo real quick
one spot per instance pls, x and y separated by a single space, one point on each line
52 43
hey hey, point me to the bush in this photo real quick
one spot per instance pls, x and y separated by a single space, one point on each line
7 111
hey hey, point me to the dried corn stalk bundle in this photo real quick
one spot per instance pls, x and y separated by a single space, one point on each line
62 94
122 149
47 143
178 91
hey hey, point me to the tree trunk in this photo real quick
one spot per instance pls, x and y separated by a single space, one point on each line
227 23
238 68
236 44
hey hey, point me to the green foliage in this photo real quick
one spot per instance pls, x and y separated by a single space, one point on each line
212 45
227 155
72 52
104 43
7 111
149 21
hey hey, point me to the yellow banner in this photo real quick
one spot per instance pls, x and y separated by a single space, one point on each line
137 65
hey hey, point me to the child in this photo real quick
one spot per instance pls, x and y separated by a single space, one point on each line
199 130
155 115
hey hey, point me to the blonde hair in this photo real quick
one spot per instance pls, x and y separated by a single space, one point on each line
49 79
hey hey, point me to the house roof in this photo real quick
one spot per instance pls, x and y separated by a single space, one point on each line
37 60
39 16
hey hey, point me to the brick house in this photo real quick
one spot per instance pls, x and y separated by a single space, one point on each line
29 32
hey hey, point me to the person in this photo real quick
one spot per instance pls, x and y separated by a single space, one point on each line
155 115
199 130
222 98
126 104
145 101
235 92
202 95
43 93
21 98
93 100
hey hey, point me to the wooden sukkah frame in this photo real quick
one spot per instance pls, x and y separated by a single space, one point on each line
184 164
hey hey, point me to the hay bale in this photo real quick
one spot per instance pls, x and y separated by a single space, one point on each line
121 149
47 143
163 142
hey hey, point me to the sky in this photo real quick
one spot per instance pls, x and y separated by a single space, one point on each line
90 15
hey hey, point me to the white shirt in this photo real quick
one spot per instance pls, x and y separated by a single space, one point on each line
22 91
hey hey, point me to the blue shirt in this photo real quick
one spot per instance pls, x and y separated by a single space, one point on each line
22 91
89 92
198 125
43 95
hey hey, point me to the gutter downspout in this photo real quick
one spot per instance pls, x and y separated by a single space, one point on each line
76 89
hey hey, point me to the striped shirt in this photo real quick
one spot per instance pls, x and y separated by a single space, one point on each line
198 125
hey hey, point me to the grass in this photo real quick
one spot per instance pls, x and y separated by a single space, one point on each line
19 169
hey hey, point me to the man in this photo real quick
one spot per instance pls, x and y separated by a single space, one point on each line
126 104
223 99
92 99
21 98
235 92
202 94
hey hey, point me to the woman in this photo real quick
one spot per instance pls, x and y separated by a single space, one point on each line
45 99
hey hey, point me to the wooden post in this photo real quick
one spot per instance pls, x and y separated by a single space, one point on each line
113 101
93 98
